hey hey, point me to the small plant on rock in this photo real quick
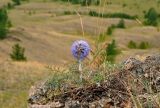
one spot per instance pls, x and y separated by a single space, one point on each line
80 50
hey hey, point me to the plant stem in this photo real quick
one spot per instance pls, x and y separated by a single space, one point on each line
80 69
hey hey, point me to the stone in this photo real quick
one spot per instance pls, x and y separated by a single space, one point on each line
112 92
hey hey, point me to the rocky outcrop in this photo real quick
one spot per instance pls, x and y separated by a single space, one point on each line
139 79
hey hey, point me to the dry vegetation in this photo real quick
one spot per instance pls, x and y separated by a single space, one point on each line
15 81
37 24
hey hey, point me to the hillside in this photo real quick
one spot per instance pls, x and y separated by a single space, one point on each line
37 25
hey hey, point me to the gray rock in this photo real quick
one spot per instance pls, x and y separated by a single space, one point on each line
134 72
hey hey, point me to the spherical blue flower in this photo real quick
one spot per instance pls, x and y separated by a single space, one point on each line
80 49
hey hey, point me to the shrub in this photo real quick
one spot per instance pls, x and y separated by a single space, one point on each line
97 2
3 32
112 15
111 51
93 13
10 6
4 23
124 5
132 44
31 12
110 29
151 17
82 2
75 1
69 13
144 45
86 2
119 15
121 24
17 2
72 1
18 53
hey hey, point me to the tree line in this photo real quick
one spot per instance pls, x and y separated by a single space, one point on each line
83 2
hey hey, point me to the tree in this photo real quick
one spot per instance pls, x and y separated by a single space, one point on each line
4 23
3 32
144 45
132 44
75 1
97 2
151 17
17 2
110 29
10 6
121 24
86 2
3 15
18 53
111 51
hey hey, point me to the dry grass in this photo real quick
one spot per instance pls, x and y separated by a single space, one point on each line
4 2
46 27
16 79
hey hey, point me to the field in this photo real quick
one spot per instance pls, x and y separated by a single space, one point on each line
46 31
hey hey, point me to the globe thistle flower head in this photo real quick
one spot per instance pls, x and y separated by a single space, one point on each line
80 49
